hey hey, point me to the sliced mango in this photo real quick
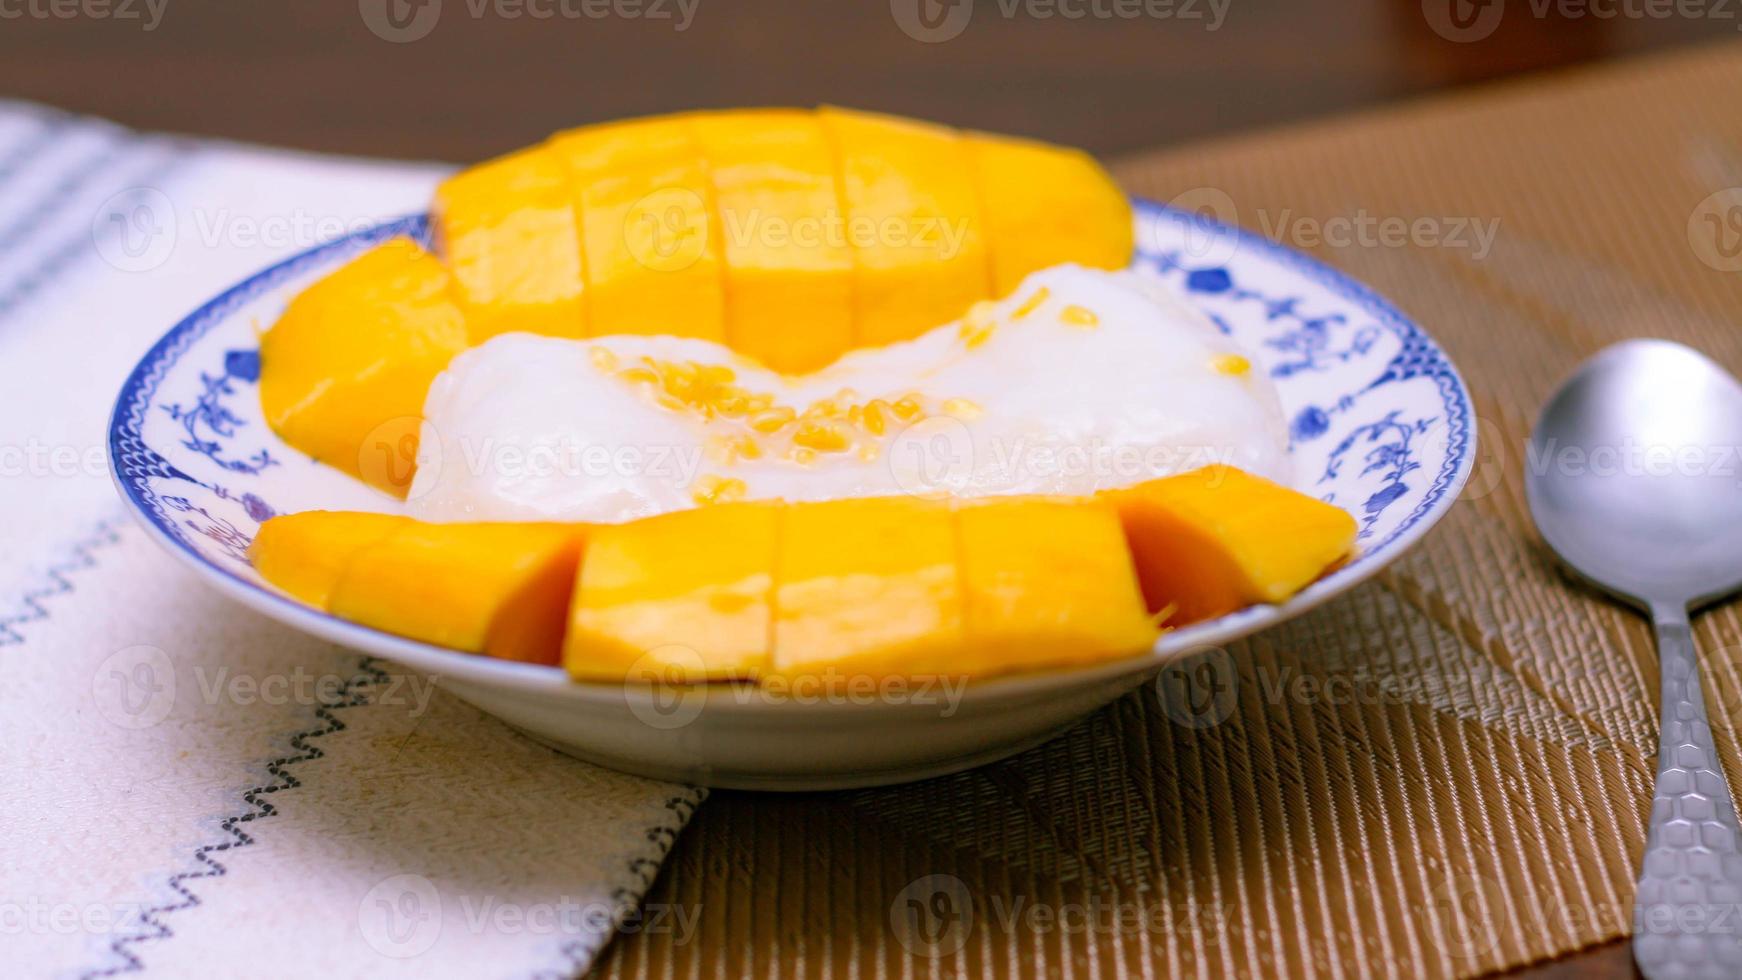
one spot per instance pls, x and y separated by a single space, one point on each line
647 213
344 372
304 554
1218 539
789 269
508 234
867 588
789 235
825 592
497 589
1046 205
1048 582
913 217
686 595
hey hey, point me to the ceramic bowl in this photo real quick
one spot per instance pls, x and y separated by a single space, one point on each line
1379 423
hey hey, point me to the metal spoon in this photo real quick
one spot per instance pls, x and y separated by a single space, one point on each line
1633 479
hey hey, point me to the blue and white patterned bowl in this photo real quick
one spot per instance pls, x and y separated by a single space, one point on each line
1379 421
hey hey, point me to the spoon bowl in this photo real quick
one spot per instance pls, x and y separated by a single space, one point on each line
1634 476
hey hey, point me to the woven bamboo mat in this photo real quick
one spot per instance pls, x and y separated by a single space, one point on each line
1444 773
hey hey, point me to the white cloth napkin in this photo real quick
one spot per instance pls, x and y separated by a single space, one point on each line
187 788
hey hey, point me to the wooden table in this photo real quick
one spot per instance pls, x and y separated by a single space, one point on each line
315 76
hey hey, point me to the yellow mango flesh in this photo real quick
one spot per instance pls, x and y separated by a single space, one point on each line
508 234
791 236
344 372
822 592
1048 582
788 266
1046 205
648 228
496 589
684 596
1218 539
914 219
304 554
867 588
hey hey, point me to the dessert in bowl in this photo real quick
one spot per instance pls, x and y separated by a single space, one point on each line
919 501
1074 363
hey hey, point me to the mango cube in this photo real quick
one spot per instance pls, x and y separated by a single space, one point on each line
1218 539
497 589
1048 582
344 372
651 244
1045 205
508 234
789 269
687 594
913 216
867 588
304 554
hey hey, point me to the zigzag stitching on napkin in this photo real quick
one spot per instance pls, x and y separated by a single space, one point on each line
59 576
581 953
355 691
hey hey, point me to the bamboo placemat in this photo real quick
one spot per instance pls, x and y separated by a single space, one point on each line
1444 773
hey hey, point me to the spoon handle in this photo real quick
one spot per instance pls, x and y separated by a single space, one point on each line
1687 918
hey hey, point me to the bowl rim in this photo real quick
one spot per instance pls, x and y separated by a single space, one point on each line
130 468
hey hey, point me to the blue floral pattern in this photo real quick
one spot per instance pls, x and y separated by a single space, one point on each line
1387 451
209 420
194 455
226 535
1365 345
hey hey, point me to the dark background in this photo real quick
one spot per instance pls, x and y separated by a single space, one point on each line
311 74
